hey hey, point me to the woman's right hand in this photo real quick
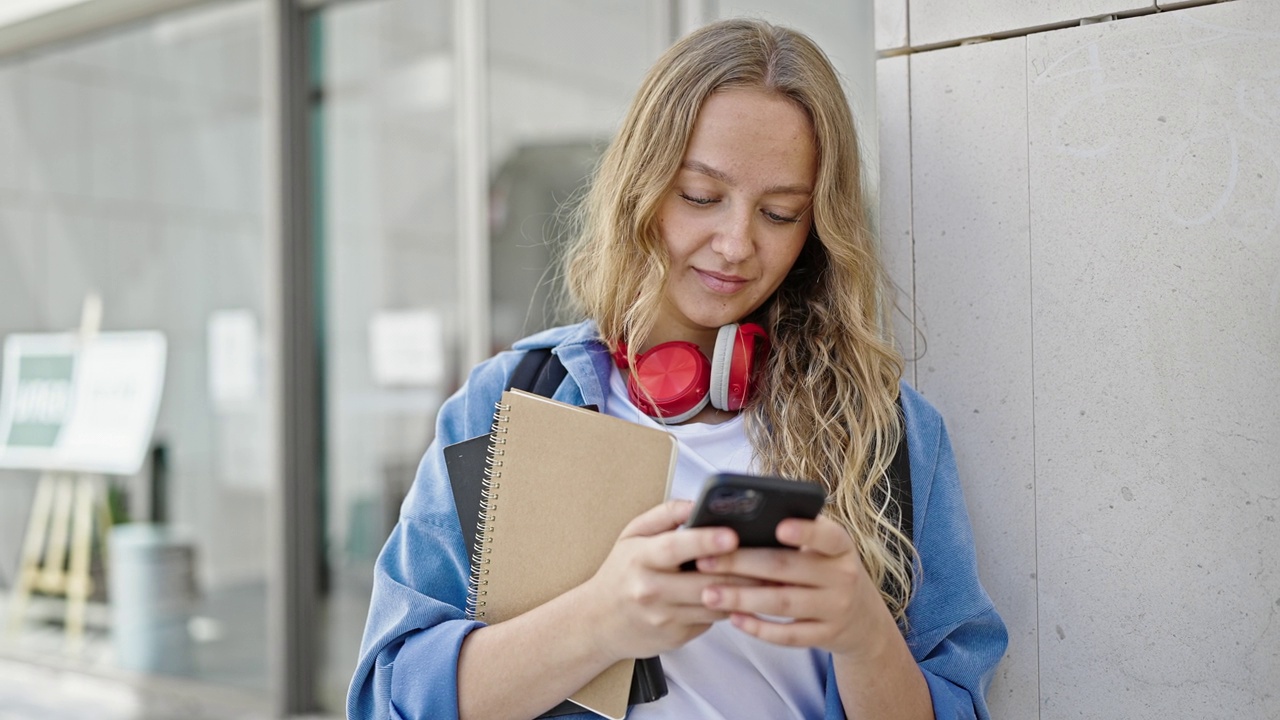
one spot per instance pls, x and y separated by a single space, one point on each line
639 603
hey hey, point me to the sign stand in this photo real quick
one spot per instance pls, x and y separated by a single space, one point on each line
57 552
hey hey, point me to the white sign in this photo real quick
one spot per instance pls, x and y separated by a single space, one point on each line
406 347
90 407
235 366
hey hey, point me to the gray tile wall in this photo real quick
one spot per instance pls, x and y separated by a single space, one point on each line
891 24
973 291
1096 228
893 103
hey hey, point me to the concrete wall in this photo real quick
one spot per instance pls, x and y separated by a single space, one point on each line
1088 222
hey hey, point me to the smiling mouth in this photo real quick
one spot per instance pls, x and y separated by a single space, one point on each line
717 282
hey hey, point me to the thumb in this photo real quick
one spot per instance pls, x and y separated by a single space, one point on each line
667 516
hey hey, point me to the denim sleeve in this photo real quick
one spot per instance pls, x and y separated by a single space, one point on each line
408 664
953 629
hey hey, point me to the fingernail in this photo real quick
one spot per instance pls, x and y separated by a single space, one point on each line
724 540
788 532
706 564
711 597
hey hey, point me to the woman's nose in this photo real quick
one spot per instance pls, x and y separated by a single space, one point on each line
734 242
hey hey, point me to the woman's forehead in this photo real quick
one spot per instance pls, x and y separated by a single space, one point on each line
753 137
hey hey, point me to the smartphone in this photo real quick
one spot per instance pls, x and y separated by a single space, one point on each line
753 505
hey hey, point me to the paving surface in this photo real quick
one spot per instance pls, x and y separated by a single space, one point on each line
31 691
226 679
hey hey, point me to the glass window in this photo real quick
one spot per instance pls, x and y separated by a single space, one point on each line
386 156
133 169
560 77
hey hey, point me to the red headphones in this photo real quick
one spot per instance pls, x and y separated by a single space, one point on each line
680 380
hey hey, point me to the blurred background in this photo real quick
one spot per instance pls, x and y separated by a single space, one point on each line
330 210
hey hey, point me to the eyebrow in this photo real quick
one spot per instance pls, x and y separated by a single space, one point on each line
705 169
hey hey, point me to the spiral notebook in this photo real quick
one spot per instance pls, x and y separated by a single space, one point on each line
562 484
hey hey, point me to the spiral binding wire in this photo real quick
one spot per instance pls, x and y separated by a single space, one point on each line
476 591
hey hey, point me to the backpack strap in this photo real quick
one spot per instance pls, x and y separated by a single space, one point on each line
900 482
539 372
553 373
526 372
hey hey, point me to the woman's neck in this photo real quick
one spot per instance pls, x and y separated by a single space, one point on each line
702 337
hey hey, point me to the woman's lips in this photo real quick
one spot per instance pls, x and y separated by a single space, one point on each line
720 283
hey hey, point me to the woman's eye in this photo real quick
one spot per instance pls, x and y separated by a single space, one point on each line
775 217
697 200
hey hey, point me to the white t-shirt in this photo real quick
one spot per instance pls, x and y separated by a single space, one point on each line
724 674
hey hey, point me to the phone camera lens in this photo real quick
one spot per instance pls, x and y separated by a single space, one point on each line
734 502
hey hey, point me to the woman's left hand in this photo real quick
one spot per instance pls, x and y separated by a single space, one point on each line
822 585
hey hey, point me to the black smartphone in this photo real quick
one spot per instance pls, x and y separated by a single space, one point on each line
753 505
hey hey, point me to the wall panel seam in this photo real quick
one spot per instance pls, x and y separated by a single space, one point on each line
1048 27
1031 326
911 233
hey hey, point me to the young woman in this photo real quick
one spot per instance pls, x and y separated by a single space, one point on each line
730 195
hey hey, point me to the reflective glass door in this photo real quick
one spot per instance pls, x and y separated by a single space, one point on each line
385 164
133 170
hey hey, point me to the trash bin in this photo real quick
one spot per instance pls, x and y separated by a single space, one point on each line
151 582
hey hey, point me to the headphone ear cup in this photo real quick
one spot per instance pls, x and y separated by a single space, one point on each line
722 366
742 344
670 381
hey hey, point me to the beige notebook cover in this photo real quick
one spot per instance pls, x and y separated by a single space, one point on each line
564 482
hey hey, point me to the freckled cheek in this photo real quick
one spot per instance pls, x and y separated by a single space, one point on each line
683 239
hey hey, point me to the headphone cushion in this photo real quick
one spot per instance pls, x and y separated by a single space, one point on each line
722 366
742 351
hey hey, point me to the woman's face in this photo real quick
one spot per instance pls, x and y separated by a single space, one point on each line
737 212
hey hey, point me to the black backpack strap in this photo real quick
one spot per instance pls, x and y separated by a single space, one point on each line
527 370
900 481
550 376
539 372
900 509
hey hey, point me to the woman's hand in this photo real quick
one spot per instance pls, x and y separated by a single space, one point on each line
822 585
639 602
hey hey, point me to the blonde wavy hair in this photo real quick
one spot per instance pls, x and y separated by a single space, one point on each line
826 407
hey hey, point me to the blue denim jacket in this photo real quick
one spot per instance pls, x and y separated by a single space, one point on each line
409 656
